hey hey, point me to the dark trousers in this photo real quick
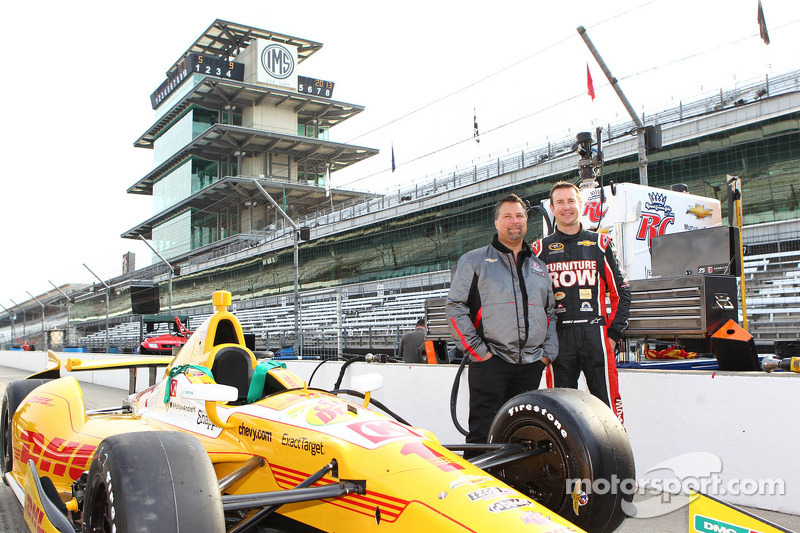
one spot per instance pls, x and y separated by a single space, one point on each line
491 384
587 349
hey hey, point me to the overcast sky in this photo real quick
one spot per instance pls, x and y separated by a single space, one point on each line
77 78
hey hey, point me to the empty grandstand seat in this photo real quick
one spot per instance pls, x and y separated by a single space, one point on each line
233 366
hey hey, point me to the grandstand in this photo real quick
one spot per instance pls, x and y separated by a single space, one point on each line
370 316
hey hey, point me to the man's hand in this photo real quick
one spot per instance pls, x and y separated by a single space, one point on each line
613 344
487 356
545 360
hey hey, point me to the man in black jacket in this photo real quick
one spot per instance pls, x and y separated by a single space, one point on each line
412 342
502 315
584 267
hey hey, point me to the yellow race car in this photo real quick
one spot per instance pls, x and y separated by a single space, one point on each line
224 442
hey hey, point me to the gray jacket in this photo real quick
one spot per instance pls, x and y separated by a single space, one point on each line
490 309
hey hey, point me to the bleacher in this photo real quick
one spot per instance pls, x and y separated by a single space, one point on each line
374 315
772 290
122 337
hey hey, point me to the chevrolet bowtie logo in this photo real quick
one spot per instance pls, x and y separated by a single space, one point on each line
699 211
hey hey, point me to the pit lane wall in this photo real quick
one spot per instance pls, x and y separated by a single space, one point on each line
678 421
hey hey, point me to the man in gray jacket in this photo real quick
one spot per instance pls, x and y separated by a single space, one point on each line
502 315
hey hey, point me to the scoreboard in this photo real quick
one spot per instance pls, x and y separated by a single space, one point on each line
197 63
314 87
218 67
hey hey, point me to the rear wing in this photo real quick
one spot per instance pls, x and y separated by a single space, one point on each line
53 366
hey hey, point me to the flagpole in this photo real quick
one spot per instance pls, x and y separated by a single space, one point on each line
628 107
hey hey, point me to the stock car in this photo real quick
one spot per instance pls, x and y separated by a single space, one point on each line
164 343
224 442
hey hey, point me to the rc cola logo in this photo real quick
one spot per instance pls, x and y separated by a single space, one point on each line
656 216
594 208
277 61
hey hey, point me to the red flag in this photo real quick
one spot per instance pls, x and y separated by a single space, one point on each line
589 82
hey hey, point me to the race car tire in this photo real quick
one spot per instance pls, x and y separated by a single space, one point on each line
152 481
16 391
588 443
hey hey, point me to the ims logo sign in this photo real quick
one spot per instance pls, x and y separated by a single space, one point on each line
277 61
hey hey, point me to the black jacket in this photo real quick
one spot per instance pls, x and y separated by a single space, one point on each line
583 267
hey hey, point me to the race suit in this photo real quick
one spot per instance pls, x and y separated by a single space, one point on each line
583 268
505 307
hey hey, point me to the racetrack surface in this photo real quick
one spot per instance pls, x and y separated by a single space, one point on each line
96 396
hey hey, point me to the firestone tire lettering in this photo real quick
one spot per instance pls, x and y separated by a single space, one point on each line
575 432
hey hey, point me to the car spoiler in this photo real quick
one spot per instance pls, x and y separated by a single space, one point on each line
53 367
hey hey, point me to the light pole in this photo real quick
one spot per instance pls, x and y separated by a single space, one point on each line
640 128
44 331
11 317
108 290
171 268
295 230
24 321
69 303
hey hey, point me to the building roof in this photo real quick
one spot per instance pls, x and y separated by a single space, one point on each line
303 198
226 39
222 140
213 93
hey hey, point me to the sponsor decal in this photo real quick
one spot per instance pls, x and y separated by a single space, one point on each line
531 408
325 412
302 444
468 480
569 273
180 406
377 431
699 210
535 266
40 400
656 216
598 320
585 294
33 513
586 307
487 493
560 308
287 378
723 301
58 456
704 523
284 401
579 498
531 517
432 456
508 504
560 295
255 434
594 209
490 260
204 421
556 246
585 243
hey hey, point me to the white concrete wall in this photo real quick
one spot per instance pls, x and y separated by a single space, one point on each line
748 420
